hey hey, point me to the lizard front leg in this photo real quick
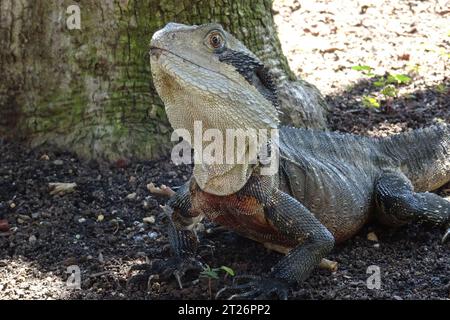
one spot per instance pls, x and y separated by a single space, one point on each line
183 240
296 222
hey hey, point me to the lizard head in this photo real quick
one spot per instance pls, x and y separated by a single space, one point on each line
203 73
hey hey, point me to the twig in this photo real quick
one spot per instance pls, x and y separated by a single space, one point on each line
163 190
328 265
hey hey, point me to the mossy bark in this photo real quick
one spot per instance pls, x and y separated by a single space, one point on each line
90 90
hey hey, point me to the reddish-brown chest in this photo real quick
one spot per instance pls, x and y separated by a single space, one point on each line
240 213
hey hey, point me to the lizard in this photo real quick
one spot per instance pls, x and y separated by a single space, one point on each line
327 185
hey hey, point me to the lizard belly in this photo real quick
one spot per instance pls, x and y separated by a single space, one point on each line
242 214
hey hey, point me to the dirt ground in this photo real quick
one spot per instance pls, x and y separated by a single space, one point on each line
111 222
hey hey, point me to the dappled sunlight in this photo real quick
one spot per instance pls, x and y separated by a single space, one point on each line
324 39
21 278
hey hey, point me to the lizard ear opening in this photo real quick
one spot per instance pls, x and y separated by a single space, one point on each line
253 71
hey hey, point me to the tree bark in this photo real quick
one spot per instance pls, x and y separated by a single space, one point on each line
90 91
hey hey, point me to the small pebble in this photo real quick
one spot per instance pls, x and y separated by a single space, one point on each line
32 239
149 220
371 236
24 217
4 226
100 218
58 162
132 196
35 215
82 220
152 235
138 224
172 173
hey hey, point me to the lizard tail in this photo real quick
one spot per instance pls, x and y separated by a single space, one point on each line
423 154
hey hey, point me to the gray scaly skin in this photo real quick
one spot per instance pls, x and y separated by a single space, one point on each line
328 184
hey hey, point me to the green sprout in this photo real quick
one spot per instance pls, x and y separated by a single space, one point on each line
366 70
227 270
213 273
210 273
387 84
398 79
389 91
370 102
441 88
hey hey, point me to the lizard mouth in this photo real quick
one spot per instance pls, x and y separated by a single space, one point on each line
156 52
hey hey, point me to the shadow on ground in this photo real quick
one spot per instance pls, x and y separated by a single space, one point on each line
409 111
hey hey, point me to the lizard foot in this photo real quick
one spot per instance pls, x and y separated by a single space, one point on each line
164 269
256 287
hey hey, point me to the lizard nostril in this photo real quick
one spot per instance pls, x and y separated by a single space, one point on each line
173 36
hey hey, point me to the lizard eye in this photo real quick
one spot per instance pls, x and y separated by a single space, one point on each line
216 40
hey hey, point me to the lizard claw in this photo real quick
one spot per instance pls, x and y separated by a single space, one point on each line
256 287
175 266
446 235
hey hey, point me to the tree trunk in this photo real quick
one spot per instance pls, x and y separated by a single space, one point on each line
90 90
